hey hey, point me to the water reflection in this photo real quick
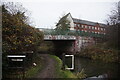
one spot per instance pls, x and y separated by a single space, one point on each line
96 68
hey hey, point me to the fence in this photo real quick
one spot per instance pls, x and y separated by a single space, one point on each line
72 33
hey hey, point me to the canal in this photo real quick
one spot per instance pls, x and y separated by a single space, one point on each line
95 67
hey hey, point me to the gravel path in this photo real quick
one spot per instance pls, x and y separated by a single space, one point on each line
49 67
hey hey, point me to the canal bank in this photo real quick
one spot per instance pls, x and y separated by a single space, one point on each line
95 67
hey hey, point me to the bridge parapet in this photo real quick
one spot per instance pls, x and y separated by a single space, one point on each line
59 37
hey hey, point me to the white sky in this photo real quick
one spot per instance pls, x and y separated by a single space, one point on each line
45 13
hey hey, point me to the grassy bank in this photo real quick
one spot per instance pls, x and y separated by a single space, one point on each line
33 70
100 52
59 72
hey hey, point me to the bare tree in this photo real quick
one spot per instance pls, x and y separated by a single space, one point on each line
114 17
113 29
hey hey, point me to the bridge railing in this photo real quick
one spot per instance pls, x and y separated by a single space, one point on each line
72 33
59 37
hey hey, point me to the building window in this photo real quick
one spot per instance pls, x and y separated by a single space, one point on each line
75 25
95 28
85 30
102 29
82 26
89 27
79 25
98 28
85 26
92 27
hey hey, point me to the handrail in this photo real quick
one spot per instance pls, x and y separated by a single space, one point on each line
72 33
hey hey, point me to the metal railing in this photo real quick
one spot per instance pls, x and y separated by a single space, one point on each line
72 33
59 37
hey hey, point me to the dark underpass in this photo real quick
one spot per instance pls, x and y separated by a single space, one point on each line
62 46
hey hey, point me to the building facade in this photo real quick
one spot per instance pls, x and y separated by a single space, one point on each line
86 26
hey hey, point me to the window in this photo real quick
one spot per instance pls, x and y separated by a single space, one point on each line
85 26
85 30
102 29
82 26
75 25
92 27
98 28
95 28
78 25
89 27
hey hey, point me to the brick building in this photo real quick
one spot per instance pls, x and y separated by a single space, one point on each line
85 26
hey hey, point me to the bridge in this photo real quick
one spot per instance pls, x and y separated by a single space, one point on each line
76 39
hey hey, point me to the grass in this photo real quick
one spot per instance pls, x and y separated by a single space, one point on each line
34 69
81 75
59 72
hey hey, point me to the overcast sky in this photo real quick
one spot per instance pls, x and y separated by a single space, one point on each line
45 13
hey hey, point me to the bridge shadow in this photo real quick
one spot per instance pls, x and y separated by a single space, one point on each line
63 46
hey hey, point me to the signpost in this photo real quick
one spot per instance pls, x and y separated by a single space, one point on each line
16 63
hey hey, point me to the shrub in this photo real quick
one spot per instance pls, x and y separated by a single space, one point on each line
81 74
100 52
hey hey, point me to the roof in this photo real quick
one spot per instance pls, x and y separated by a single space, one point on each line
87 22
81 21
62 19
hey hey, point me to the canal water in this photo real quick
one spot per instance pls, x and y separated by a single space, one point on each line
95 68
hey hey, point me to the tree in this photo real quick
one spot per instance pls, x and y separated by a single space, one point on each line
17 34
113 29
114 17
63 25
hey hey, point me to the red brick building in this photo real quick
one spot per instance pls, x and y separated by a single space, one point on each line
86 26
